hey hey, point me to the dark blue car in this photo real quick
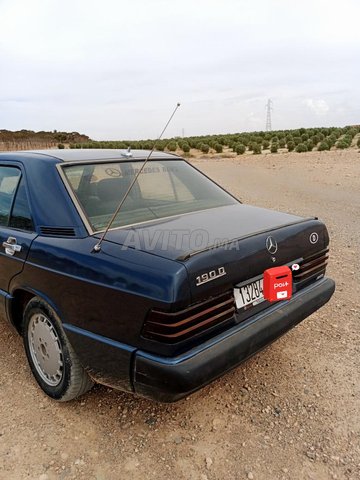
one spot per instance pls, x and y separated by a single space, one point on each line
172 297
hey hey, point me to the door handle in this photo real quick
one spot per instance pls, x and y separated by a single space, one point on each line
11 246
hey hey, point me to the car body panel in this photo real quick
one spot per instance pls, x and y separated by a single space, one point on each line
11 266
111 301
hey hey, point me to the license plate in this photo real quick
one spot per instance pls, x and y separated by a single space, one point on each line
249 294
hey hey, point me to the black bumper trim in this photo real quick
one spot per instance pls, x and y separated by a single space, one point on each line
170 379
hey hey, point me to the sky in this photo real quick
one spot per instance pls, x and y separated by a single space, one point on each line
115 69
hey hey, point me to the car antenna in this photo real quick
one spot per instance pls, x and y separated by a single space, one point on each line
97 247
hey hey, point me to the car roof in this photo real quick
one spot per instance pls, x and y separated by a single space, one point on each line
87 154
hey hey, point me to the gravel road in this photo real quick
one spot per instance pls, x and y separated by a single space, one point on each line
291 412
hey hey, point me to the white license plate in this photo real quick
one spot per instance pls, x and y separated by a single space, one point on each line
249 294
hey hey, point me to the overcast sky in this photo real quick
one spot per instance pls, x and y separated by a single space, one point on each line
114 69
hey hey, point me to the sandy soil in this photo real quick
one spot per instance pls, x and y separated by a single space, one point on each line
291 412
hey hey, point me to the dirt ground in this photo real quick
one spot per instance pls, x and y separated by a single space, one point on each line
291 412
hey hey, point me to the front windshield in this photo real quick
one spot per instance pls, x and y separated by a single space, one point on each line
164 188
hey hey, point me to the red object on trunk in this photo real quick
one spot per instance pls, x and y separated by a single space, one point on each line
277 283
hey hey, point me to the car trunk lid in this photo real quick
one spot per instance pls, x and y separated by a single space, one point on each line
232 239
179 237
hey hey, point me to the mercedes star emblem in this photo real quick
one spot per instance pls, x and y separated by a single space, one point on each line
271 245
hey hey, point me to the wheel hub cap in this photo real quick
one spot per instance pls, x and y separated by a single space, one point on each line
45 349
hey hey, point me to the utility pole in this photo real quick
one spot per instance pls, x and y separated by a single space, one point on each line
268 115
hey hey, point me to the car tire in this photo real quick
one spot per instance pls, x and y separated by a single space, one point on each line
52 360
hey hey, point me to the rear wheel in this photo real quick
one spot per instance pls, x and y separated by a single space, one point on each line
52 359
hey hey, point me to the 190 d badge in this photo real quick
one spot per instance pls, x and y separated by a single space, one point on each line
209 276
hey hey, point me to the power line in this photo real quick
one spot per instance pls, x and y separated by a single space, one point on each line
268 115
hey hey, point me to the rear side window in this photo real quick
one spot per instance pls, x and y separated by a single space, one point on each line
9 179
20 216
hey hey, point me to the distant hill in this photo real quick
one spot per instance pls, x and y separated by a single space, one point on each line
29 140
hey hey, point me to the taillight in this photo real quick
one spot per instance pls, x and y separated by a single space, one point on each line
200 318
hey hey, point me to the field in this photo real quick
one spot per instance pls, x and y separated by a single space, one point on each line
301 140
291 412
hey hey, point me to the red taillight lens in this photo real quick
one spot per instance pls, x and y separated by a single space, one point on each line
174 327
312 266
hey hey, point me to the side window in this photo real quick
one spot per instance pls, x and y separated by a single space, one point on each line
20 215
9 179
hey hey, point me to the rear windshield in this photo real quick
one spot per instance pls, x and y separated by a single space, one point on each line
163 189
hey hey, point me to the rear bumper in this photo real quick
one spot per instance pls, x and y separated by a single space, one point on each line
170 379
